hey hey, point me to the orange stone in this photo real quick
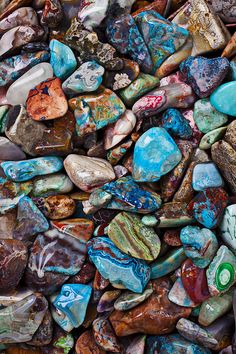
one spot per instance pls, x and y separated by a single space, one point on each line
79 228
230 49
59 207
158 6
87 345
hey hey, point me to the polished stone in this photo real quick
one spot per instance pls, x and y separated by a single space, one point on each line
168 263
175 123
86 344
56 183
179 296
104 336
173 214
62 59
107 300
11 193
211 137
127 300
56 207
24 16
228 226
10 151
224 98
206 175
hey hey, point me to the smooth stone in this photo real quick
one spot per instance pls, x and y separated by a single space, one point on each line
56 207
149 220
173 214
7 224
88 173
85 275
43 335
86 343
57 183
165 155
11 193
79 228
107 300
117 153
211 137
221 274
25 16
127 300
30 221
21 320
207 117
13 260
59 317
13 68
62 59
10 151
230 135
99 282
19 90
137 345
228 226
203 74
179 296
156 315
206 175
116 266
12 6
224 98
194 281
3 115
87 78
175 123
20 171
132 237
168 263
104 336
73 301
215 307
208 206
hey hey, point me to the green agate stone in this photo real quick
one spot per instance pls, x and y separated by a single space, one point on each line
211 137
168 263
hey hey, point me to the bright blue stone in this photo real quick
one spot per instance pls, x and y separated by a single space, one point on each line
155 154
175 123
206 175
20 171
224 98
73 301
62 59
117 266
168 263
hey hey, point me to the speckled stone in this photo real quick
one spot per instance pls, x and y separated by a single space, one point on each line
206 175
104 336
173 214
127 300
230 135
225 10
86 344
211 137
179 296
175 123
62 59
168 263
7 224
224 97
56 206
11 193
107 300
228 226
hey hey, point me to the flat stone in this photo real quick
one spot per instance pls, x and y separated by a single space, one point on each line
179 296
62 59
173 214
79 228
175 123
228 226
206 175
168 263
104 336
10 151
86 343
211 137
128 299
224 97
56 207
56 183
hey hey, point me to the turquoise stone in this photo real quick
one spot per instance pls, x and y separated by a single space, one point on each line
200 245
20 171
232 70
116 266
228 226
155 154
73 301
62 59
206 175
179 296
60 318
168 263
224 98
175 123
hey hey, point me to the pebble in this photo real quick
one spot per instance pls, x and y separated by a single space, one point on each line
24 16
168 263
211 137
176 124
128 299
228 226
206 175
56 207
179 296
86 343
223 98
62 59
104 336
52 184
107 300
10 151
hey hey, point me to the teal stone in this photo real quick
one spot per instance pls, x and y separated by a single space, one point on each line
232 70
155 154
206 117
60 318
73 302
176 124
149 220
20 171
179 296
62 59
168 263
211 137
228 227
206 175
200 245
224 98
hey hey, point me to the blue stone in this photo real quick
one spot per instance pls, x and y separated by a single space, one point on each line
179 296
224 98
232 71
20 171
117 266
200 245
168 263
175 123
73 301
63 60
206 175
155 154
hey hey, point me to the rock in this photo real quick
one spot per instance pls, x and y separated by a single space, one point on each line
62 59
168 263
56 183
225 10
230 48
228 226
86 344
52 13
173 214
10 7
10 151
56 207
157 315
132 237
104 336
43 335
117 266
206 175
18 92
200 245
179 296
85 275
207 117
211 137
11 193
107 300
79 228
117 153
87 78
230 135
223 98
7 224
172 238
99 282
174 122
127 300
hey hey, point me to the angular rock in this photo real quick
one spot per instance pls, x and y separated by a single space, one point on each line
175 123
86 343
179 296
62 59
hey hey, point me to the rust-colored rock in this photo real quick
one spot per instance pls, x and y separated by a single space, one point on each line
87 345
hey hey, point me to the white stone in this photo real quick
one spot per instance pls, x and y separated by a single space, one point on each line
228 227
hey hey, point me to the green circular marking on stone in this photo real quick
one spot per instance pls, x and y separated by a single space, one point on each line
224 276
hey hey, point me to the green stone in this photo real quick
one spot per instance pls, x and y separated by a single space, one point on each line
215 307
139 87
211 137
207 117
65 343
57 183
132 237
3 117
149 220
128 299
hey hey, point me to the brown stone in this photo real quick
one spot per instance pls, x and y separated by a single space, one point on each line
57 207
172 238
43 335
7 224
230 135
14 4
87 345
157 315
230 49
99 282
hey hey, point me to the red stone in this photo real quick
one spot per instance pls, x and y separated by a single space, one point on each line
172 238
87 345
99 282
85 275
79 228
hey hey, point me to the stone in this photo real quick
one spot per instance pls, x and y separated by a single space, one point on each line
230 135
117 153
34 47
62 59
204 75
10 151
154 142
85 275
60 318
132 237
207 117
56 207
20 171
179 296
104 336
114 265
124 35
127 300
73 301
211 137
196 133
223 98
228 226
230 48
137 345
87 78
172 238
200 245
21 320
11 193
174 122
168 263
47 101
52 14
157 315
17 93
206 175
43 335
13 260
107 300
225 10
80 228
56 183
173 214
86 344
7 224
97 171
10 7
3 114
99 282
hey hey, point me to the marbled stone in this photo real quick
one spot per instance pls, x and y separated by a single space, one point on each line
11 193
132 237
224 97
52 13
56 183
56 206
117 266
207 117
179 296
175 123
3 112
104 336
173 214
157 315
87 78
168 263
230 48
211 137
86 344
221 274
60 317
99 282
10 151
107 300
206 175
127 300
85 275
117 153
12 6
20 171
228 226
79 228
62 59
200 245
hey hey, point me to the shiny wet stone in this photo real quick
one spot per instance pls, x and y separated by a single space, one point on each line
62 59
224 98
168 263
174 122
206 175
228 226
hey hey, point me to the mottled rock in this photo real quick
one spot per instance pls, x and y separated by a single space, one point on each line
127 300
10 151
175 123
56 207
168 263
104 335
87 344
53 184
62 59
